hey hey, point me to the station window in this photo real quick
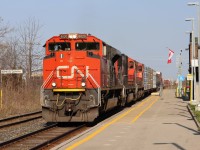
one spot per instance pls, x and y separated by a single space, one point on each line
63 46
87 46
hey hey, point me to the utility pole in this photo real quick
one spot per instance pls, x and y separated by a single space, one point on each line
193 82
198 31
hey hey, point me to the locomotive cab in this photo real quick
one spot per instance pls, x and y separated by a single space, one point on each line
71 74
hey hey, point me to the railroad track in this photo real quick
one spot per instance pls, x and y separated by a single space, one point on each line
15 120
41 138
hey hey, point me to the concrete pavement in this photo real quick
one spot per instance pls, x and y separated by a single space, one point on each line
156 123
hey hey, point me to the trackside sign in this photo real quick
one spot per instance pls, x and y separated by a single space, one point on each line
189 77
19 71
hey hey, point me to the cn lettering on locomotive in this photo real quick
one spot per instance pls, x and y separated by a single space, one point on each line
73 69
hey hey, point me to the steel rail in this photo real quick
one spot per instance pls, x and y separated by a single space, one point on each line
42 133
42 145
19 122
6 143
19 116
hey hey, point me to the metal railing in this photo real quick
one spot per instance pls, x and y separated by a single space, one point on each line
42 88
99 90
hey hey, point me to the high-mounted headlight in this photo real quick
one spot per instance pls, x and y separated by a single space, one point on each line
83 84
72 36
53 84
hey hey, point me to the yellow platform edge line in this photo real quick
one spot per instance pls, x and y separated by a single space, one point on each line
90 136
141 113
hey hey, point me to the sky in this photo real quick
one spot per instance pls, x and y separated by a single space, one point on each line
140 29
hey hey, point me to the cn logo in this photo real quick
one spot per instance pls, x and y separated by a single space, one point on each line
74 68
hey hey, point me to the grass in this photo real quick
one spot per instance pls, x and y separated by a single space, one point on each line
196 113
20 100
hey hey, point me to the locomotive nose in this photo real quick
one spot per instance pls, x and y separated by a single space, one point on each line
71 76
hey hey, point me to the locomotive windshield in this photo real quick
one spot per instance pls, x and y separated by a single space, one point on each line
64 46
87 46
139 68
130 64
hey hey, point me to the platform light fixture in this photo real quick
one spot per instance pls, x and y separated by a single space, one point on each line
193 3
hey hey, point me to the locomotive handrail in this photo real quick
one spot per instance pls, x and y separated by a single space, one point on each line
99 89
42 88
94 80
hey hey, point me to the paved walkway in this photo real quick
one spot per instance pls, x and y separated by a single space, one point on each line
156 123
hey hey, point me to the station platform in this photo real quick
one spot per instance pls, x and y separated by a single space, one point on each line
155 123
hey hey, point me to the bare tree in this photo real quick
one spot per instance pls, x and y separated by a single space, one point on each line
4 30
20 51
29 41
10 58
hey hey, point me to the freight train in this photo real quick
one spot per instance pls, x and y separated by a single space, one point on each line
84 77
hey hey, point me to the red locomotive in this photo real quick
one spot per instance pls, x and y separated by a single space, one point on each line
85 77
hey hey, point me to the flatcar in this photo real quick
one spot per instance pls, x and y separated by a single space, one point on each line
84 77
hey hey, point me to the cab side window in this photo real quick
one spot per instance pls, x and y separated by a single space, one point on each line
61 46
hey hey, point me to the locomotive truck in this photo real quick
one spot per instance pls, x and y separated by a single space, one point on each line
84 77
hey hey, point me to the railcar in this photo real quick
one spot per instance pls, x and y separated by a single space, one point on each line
85 77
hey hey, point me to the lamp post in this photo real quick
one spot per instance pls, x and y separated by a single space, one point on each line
198 16
192 98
